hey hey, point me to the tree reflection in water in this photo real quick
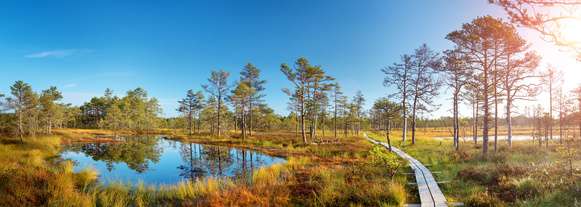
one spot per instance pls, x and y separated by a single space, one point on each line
247 162
201 160
193 162
136 152
156 160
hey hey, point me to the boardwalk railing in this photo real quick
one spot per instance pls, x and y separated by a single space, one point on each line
430 194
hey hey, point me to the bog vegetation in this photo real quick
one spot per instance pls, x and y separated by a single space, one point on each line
329 162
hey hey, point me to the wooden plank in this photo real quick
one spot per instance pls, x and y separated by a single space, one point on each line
430 193
437 194
423 189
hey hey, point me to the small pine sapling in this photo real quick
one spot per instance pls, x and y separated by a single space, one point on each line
382 158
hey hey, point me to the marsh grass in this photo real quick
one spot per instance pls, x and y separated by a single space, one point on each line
314 174
324 173
521 175
28 179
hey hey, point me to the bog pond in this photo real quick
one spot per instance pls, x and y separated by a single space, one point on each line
154 160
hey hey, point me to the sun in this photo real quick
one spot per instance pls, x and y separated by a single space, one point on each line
570 30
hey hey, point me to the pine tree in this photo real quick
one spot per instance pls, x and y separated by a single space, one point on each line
187 106
218 88
49 108
21 91
359 102
390 110
251 75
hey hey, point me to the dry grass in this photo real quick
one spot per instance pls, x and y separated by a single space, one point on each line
28 179
314 174
329 173
522 175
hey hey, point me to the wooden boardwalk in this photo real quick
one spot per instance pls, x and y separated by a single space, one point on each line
430 194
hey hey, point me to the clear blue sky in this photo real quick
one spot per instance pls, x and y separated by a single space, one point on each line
169 47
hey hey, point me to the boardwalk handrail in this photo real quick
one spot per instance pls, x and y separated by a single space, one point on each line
430 193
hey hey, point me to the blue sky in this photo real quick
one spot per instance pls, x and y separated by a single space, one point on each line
169 47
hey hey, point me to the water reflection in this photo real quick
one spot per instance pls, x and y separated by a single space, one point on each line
155 160
136 152
200 160
193 162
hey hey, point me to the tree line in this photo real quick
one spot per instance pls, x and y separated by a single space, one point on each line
490 67
135 111
39 112
316 103
34 112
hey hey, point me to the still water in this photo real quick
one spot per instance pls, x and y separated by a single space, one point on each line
155 160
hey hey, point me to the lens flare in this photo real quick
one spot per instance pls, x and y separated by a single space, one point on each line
571 30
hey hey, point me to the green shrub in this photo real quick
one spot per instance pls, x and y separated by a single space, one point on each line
380 157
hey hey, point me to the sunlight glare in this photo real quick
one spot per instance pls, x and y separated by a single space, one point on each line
571 30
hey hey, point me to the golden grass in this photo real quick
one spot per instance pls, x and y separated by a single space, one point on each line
516 175
28 179
32 179
326 173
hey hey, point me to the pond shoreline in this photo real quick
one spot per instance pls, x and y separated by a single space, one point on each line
155 160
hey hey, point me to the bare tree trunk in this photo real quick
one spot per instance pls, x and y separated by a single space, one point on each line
405 121
561 118
495 117
243 126
509 120
313 116
219 107
335 122
323 121
303 119
475 130
456 130
414 119
313 127
199 120
551 110
495 85
190 116
547 128
387 134
250 116
21 132
486 114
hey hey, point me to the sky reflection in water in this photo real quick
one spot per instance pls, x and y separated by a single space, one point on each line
155 160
